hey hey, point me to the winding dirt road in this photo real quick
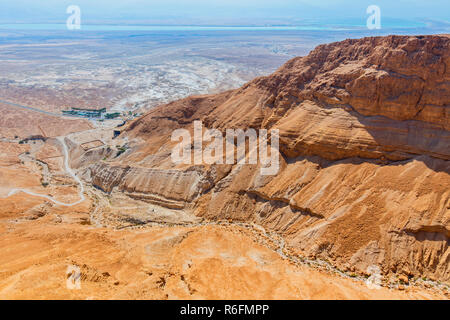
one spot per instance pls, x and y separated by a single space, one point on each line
69 171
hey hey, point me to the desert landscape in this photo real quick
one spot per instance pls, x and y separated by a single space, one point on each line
131 71
359 209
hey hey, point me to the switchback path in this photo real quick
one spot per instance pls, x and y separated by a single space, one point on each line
69 171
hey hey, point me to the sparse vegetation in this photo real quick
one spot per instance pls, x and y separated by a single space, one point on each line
121 151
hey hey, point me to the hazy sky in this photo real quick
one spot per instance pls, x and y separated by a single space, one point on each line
219 10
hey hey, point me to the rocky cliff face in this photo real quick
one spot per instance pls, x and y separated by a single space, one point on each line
365 156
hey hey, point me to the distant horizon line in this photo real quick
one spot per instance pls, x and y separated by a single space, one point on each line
195 27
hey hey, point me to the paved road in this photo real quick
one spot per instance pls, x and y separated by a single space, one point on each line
30 108
69 171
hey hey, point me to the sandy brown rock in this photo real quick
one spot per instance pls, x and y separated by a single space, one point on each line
161 263
365 145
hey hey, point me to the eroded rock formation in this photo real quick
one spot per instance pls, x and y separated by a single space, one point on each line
365 155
